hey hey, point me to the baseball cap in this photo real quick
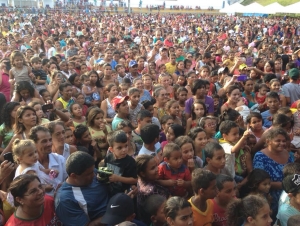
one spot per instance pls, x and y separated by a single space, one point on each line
291 183
223 69
119 207
242 66
118 100
132 63
294 73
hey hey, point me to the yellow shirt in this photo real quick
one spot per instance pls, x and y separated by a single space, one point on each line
203 218
229 63
170 68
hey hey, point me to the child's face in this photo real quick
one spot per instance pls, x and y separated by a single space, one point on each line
37 65
69 137
218 160
251 142
119 150
275 86
255 123
147 81
200 140
187 151
227 193
192 78
199 110
232 136
167 124
128 132
80 99
214 79
240 102
170 135
263 217
135 98
29 156
263 91
25 93
151 172
98 120
184 217
86 137
77 110
180 80
253 74
123 108
264 186
151 109
182 96
87 82
121 70
145 121
273 104
211 191
159 218
46 96
174 109
204 73
249 85
124 91
175 160
216 102
38 110
114 92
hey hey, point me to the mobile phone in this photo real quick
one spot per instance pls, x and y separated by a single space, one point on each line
47 107
9 157
242 78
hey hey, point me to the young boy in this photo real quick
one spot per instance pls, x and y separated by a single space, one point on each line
173 173
231 143
171 66
123 89
273 103
205 189
144 117
40 75
121 73
154 209
150 137
72 50
123 166
121 107
226 193
291 185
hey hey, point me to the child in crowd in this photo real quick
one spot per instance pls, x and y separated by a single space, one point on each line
215 159
69 137
144 117
154 206
173 132
205 189
150 137
173 173
123 166
199 138
134 106
80 99
127 127
226 193
77 114
231 143
188 155
198 111
86 89
148 105
121 108
261 95
273 103
111 91
164 80
172 108
259 183
242 108
40 75
165 121
251 210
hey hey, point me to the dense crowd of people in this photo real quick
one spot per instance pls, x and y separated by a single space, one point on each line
149 120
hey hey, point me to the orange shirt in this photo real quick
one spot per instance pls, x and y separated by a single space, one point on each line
203 218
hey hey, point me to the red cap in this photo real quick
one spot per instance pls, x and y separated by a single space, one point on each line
118 100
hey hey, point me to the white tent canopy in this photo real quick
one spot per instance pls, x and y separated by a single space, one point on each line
294 8
254 8
274 8
234 8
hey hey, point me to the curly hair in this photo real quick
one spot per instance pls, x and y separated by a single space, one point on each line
6 115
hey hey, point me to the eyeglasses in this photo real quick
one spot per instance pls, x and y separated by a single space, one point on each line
212 124
35 191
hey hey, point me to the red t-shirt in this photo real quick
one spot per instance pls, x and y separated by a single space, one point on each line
47 217
220 218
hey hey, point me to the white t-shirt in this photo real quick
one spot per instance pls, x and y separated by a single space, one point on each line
230 158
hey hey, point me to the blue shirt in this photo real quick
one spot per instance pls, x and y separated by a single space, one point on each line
62 43
265 115
146 96
80 205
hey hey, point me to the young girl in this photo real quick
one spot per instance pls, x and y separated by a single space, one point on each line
209 125
199 138
188 155
164 80
69 137
147 171
226 193
134 106
46 95
261 95
254 120
173 132
204 72
191 77
25 93
198 111
107 76
178 212
95 83
111 91
242 108
181 97
275 86
172 108
74 79
98 130
20 71
39 112
8 118
76 113
165 121
259 183
252 210
87 90
233 95
81 100
127 127
181 80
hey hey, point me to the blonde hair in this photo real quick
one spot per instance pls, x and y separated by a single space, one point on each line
20 146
